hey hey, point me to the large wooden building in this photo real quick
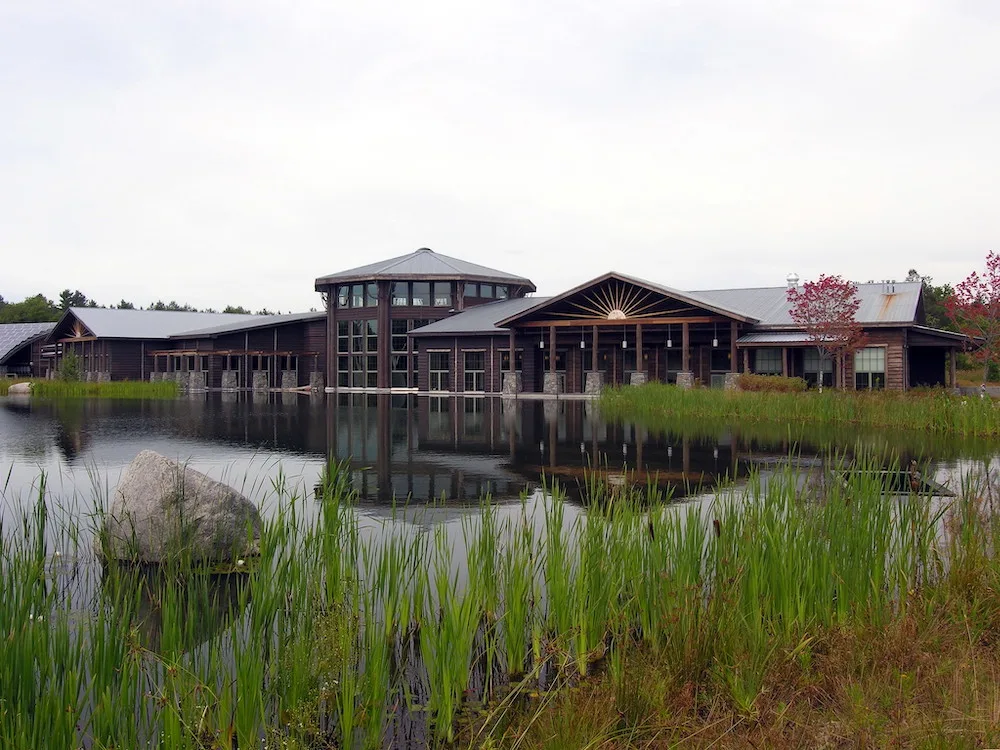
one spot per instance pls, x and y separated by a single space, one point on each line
429 323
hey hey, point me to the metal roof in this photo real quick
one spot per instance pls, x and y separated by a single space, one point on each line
15 335
423 264
481 319
258 321
112 323
775 337
693 298
892 303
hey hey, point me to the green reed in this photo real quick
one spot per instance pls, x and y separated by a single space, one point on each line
304 645
936 411
115 389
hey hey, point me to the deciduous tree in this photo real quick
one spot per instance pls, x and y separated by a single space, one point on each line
827 309
974 307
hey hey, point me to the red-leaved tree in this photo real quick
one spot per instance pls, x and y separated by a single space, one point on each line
974 307
827 309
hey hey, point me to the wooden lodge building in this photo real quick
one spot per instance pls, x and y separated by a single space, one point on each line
429 323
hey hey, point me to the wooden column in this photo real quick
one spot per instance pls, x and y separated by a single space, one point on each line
784 361
746 360
593 353
552 348
952 367
384 341
734 365
638 348
331 337
685 345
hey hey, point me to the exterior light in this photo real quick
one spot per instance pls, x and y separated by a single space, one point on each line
582 344
670 341
715 335
624 344
670 451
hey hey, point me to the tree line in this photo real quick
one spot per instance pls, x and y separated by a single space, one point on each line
40 309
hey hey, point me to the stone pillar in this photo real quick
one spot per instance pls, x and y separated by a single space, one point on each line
685 379
316 380
732 381
638 378
511 383
551 383
196 380
595 383
260 380
104 377
289 380
229 381
155 377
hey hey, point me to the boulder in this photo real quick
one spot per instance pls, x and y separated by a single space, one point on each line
19 389
162 510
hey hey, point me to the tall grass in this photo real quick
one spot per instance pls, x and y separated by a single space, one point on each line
344 626
117 389
933 411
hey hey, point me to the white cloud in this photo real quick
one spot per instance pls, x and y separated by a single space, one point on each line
231 152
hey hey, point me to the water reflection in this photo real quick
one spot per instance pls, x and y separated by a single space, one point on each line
422 448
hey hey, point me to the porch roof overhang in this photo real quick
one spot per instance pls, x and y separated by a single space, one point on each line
705 310
927 336
775 338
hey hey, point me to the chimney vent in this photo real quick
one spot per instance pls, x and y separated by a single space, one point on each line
793 280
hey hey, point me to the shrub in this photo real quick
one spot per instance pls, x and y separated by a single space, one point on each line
69 368
770 383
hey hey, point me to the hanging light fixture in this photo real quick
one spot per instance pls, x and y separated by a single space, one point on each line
715 335
670 341
582 344
541 340
624 338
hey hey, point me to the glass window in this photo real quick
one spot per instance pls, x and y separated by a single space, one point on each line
400 294
399 342
371 295
343 295
439 365
486 291
869 368
400 367
767 362
358 295
357 336
343 377
813 364
475 371
442 294
372 335
505 360
502 292
471 290
421 293
343 337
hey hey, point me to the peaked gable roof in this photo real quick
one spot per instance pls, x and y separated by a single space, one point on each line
421 265
688 298
111 323
13 336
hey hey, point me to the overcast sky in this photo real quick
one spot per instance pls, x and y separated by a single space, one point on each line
231 152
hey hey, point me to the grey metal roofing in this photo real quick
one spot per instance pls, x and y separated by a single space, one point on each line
894 303
112 323
257 321
774 337
481 319
423 263
15 335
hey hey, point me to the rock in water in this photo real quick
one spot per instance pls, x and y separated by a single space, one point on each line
162 510
19 389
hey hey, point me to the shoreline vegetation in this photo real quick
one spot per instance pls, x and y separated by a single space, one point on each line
932 410
802 609
116 389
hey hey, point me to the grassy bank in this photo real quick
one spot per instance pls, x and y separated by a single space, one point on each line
930 411
117 389
637 624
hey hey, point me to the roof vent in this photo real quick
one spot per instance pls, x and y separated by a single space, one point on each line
793 280
425 250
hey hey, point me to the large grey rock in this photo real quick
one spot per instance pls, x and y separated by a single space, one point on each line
19 389
162 510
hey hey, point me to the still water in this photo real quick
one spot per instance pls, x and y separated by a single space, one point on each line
408 448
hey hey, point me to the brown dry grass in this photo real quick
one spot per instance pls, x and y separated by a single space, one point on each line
930 679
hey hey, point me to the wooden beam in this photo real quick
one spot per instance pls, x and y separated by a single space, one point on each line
685 344
618 323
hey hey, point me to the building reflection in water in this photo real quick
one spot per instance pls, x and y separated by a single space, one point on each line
462 448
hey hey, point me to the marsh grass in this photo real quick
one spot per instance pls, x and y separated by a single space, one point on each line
638 622
117 389
935 410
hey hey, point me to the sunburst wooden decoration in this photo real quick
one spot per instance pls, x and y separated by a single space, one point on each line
617 300
79 331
